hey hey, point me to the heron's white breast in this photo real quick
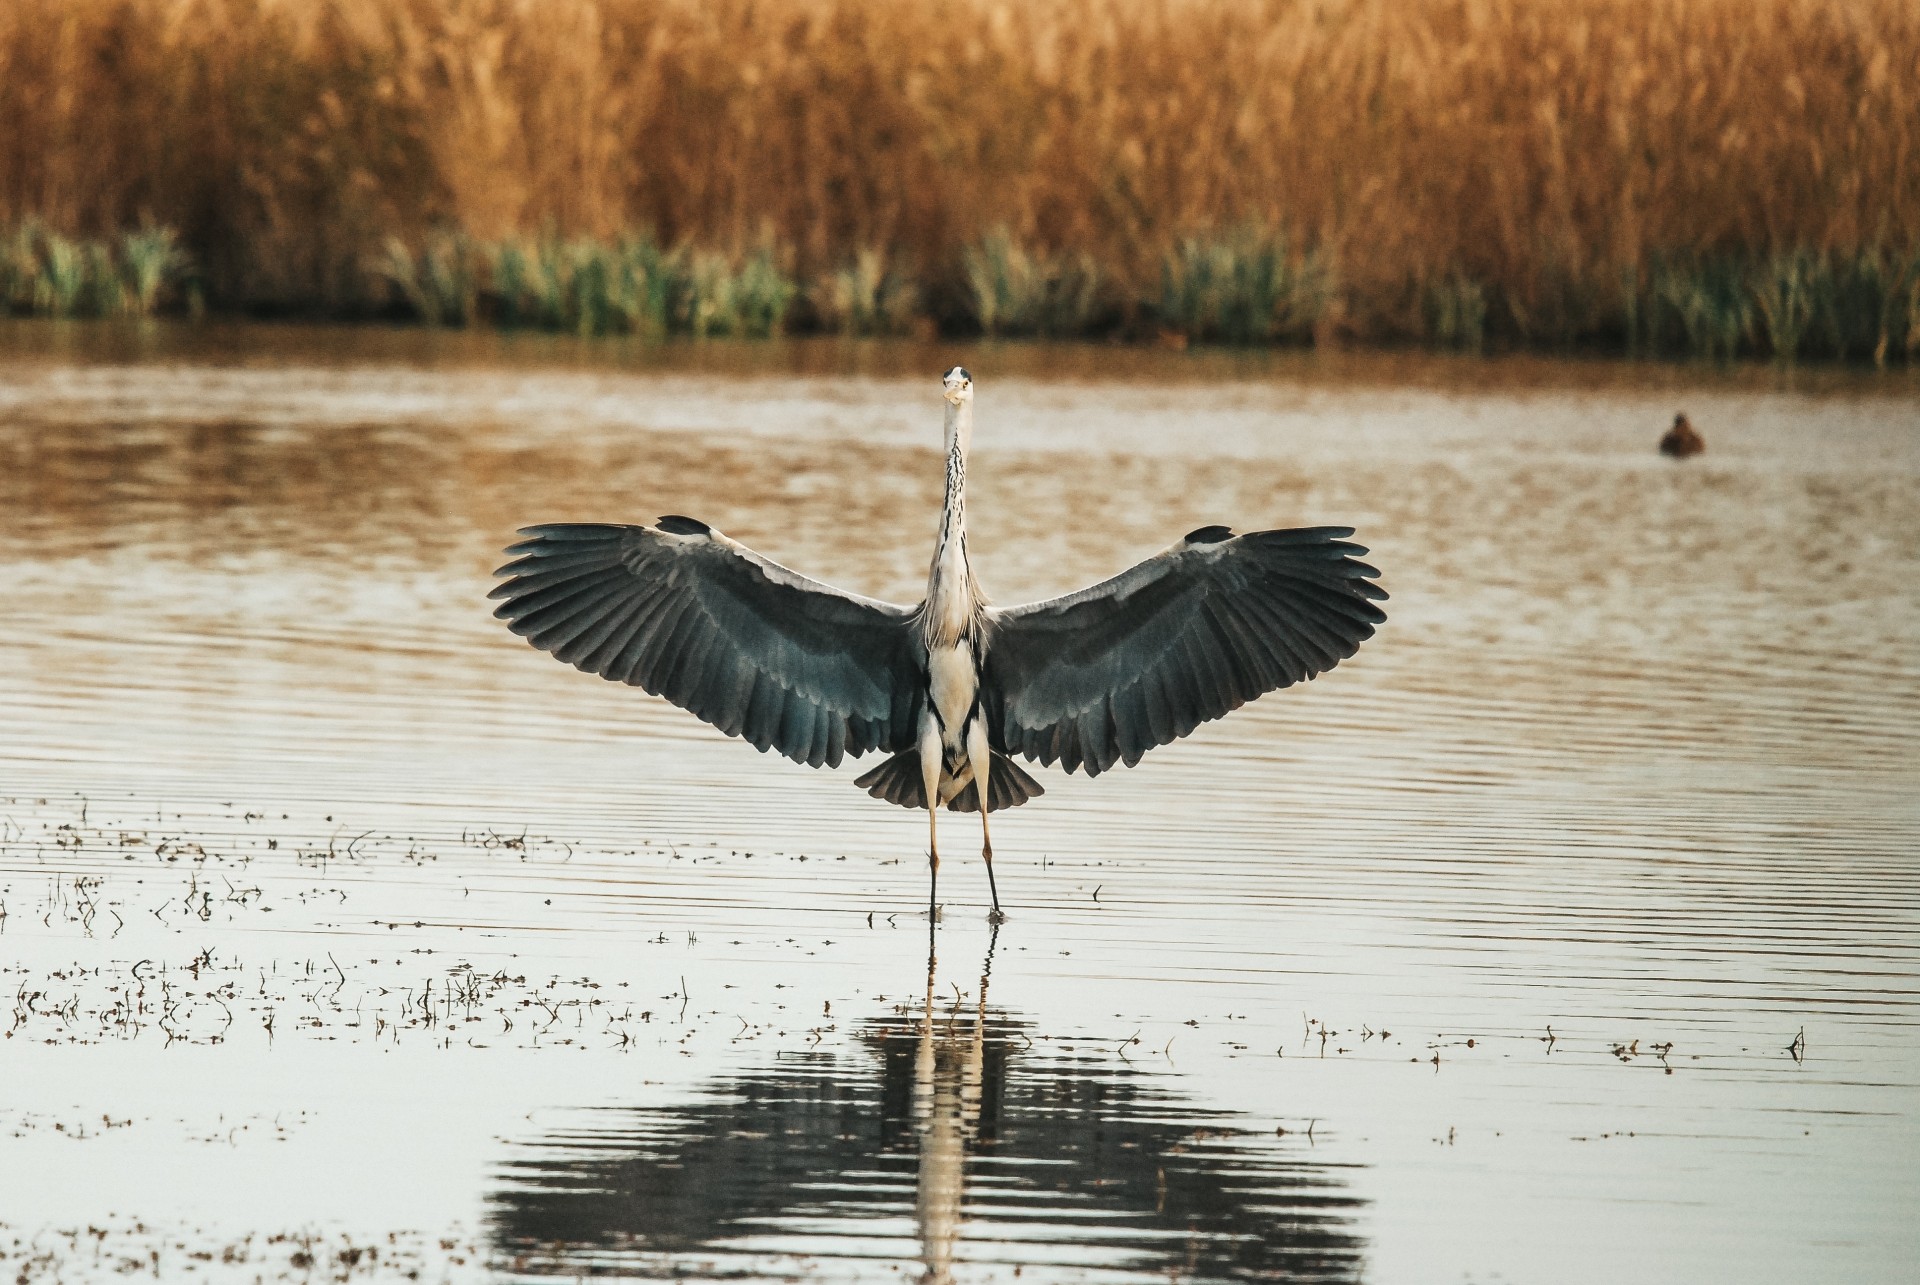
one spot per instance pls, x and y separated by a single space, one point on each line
950 592
951 681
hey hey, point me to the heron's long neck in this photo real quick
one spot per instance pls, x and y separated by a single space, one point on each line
952 597
953 515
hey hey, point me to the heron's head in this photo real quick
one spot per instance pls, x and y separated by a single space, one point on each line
958 385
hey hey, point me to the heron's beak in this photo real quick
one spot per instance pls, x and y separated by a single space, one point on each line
954 389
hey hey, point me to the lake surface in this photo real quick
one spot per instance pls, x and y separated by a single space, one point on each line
1570 932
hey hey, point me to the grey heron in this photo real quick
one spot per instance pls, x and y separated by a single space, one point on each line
954 688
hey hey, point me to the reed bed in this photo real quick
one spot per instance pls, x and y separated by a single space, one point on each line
1669 175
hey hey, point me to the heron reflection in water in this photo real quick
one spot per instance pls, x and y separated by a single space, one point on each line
940 1136
947 1106
954 688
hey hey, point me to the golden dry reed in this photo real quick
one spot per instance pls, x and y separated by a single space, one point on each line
1446 165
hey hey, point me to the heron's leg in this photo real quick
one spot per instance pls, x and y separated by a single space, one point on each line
932 760
980 757
933 869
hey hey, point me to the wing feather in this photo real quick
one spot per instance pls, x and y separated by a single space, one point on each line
657 653
676 651
594 639
1237 684
836 741
1103 675
755 649
1130 727
710 673
1192 683
552 620
1159 709
764 712
624 667
556 594
803 731
605 658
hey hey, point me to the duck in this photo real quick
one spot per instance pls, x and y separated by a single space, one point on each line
1682 439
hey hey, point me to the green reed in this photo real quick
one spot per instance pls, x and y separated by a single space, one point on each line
1869 303
438 281
1711 302
869 296
1245 285
1786 290
151 261
1788 304
589 287
1784 305
1242 287
1014 289
43 273
1455 309
644 283
730 295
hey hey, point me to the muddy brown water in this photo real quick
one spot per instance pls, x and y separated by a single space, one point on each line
1568 933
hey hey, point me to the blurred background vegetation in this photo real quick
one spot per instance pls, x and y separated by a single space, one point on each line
1714 177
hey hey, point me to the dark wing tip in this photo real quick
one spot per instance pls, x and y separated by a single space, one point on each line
1331 546
1209 534
571 530
1302 535
678 524
548 539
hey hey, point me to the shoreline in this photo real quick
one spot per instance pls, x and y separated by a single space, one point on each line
222 338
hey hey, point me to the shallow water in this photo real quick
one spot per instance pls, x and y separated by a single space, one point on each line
1571 931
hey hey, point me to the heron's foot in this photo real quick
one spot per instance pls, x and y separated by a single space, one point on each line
996 916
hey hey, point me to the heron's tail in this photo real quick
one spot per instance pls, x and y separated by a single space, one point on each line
898 781
1008 786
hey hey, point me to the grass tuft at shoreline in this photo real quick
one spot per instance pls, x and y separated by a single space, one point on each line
1241 288
1691 176
43 273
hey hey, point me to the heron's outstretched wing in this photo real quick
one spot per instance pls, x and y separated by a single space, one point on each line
753 648
1104 675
